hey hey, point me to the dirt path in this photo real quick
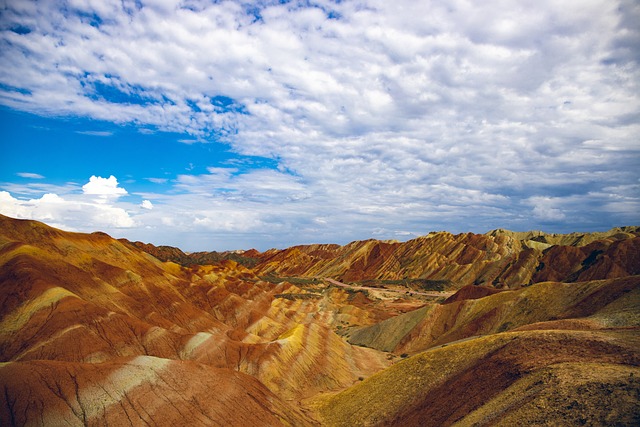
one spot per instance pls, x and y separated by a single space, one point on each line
397 291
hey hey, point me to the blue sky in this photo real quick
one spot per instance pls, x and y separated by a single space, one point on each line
213 125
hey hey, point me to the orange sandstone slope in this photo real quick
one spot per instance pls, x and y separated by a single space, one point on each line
500 258
137 391
78 312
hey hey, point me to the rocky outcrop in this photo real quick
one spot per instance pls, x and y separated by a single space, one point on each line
472 292
600 259
139 391
499 258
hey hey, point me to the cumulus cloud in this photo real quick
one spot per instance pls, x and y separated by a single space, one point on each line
11 207
146 204
103 187
68 208
402 116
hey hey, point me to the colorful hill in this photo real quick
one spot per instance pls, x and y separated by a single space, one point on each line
97 331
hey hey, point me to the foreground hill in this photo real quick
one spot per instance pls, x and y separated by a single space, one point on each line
554 377
89 325
96 331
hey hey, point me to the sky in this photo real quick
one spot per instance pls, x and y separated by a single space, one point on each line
220 125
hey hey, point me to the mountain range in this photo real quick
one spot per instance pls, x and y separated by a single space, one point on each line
502 328
500 258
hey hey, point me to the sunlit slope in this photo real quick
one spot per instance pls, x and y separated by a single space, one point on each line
502 259
92 301
514 378
550 305
87 299
139 391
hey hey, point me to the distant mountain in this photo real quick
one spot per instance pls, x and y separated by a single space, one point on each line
96 331
500 258
247 258
441 260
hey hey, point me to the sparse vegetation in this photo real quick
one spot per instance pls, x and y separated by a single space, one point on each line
505 327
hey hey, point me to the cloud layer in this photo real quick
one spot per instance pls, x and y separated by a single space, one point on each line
386 118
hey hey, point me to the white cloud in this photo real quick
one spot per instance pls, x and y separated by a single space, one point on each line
547 213
146 204
103 187
402 116
30 175
95 133
11 207
157 180
67 208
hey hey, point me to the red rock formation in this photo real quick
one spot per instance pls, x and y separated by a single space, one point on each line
475 311
518 378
